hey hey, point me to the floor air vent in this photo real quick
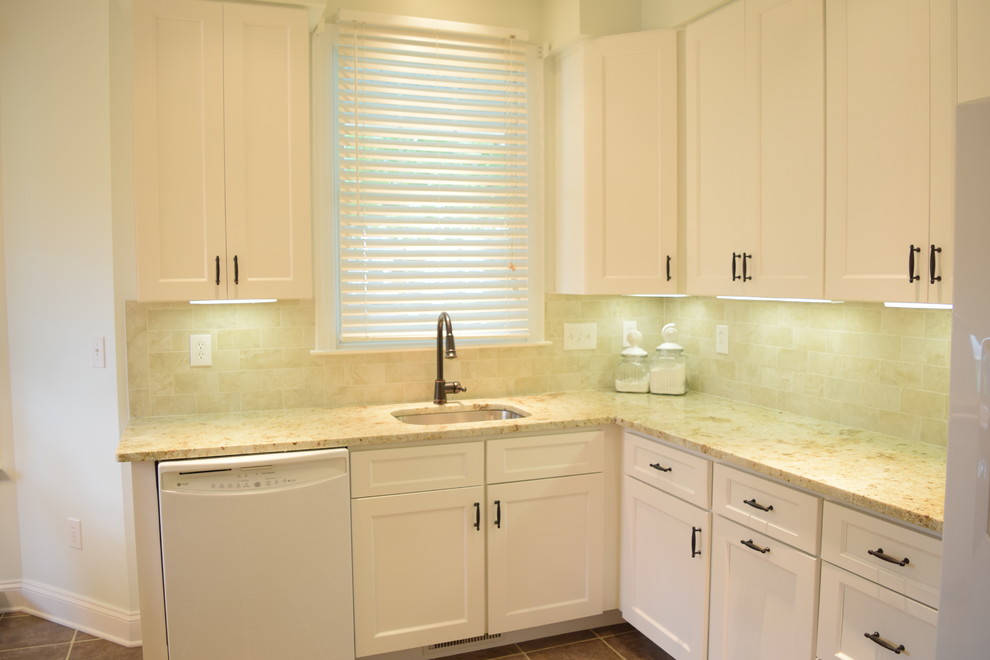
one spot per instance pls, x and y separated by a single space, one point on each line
430 650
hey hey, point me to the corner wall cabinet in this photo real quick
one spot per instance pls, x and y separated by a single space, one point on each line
540 516
890 154
754 133
616 167
221 150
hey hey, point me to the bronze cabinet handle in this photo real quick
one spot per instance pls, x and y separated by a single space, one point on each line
880 554
877 639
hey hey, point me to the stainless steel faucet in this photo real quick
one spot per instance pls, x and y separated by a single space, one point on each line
441 388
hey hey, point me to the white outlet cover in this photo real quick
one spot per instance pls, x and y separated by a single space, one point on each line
200 351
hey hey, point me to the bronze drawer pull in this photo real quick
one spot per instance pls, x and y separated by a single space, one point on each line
877 639
880 554
756 505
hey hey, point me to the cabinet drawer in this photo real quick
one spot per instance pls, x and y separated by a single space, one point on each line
413 469
538 457
672 470
849 537
776 510
852 609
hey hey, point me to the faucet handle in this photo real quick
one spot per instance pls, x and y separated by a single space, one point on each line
454 387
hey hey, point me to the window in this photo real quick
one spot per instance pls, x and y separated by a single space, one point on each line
436 180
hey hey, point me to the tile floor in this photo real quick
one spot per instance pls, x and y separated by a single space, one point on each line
618 642
26 637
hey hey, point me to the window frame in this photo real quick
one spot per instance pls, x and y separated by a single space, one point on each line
325 203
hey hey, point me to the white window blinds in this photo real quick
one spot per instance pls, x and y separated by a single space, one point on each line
434 183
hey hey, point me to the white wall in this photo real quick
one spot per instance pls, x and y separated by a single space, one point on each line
674 13
10 545
59 265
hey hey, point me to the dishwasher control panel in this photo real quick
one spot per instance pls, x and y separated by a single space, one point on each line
250 478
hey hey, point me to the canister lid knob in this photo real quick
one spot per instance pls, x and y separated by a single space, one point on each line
669 334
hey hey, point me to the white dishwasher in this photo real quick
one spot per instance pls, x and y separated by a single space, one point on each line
256 556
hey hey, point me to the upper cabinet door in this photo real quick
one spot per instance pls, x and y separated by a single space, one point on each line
716 179
755 150
889 173
221 150
617 165
266 137
785 111
178 149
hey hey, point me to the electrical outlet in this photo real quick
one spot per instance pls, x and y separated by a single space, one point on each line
200 351
722 339
580 336
627 327
75 534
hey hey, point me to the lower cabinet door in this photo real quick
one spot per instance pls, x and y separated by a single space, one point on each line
545 551
664 569
763 598
419 569
860 620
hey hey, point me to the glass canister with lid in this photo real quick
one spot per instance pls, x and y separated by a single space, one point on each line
668 367
632 373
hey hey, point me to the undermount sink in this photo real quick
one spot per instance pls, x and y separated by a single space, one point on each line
458 416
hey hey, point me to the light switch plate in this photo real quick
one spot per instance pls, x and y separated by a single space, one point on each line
98 348
580 336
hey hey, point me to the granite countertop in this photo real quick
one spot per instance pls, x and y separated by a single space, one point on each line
900 479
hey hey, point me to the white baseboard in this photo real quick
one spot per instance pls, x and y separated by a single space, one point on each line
90 616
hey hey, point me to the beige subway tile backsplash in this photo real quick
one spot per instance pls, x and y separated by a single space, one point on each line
859 364
854 363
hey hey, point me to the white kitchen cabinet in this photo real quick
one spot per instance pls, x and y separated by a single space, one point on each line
419 568
768 507
860 620
544 551
616 167
221 150
880 585
672 470
763 596
546 526
665 569
889 177
423 518
754 131
972 50
666 536
894 556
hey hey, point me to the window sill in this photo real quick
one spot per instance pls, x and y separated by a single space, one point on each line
432 349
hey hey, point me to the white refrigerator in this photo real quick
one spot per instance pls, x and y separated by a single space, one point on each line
964 608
